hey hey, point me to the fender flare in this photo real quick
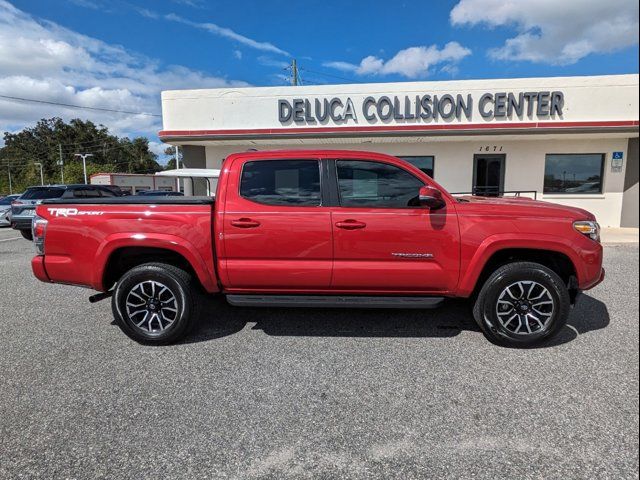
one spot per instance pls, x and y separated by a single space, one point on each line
111 243
495 243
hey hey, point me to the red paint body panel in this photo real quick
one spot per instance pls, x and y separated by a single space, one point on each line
77 248
241 246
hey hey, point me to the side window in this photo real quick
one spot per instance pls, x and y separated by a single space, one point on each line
282 182
373 184
107 193
424 163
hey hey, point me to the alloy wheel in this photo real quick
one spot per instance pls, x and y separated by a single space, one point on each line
151 307
525 308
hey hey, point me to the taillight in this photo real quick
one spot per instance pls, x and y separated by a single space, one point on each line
38 230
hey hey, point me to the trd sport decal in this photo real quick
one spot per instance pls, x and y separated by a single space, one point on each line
71 212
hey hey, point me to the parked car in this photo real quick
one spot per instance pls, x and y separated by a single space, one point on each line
23 209
5 209
325 229
160 193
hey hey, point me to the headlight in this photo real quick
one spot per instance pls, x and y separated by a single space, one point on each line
588 228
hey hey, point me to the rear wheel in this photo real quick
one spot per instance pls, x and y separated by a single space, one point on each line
522 304
155 303
27 235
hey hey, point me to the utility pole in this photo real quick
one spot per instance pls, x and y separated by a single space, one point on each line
294 72
9 172
41 175
61 163
177 166
84 163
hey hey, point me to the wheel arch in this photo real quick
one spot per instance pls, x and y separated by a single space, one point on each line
556 256
117 256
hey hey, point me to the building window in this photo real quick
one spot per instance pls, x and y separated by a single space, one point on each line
282 182
424 163
576 173
378 185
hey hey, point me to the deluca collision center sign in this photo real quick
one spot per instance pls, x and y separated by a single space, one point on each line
417 108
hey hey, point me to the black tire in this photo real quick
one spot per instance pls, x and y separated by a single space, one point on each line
26 234
522 331
157 331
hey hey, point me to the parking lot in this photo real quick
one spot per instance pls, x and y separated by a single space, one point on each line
275 393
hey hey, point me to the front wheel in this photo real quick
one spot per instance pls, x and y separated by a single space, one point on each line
155 303
522 305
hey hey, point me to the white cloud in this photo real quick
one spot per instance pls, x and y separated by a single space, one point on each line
411 62
267 61
227 33
42 60
237 54
552 31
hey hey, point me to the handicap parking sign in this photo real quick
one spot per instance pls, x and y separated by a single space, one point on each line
616 161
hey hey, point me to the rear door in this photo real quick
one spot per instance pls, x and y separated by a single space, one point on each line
383 239
276 232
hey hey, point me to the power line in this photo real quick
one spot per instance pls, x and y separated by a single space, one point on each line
70 105
352 80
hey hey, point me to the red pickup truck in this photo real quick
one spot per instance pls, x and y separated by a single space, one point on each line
325 229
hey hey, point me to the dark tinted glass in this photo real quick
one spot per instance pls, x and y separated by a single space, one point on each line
424 163
86 193
282 182
372 184
107 193
573 173
42 193
7 200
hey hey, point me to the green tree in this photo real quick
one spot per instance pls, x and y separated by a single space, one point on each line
49 137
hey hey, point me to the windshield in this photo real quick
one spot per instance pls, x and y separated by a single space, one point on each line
42 193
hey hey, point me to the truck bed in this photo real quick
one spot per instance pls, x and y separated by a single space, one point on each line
132 200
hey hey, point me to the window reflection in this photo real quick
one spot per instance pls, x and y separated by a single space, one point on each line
573 173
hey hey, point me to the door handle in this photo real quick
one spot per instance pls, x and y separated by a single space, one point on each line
245 223
350 224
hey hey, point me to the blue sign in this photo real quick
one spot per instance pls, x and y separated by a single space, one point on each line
618 155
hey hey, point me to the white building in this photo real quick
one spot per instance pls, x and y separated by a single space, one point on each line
134 182
570 140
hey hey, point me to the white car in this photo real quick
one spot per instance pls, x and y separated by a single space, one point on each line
5 209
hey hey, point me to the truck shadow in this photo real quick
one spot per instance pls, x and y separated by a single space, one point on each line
447 321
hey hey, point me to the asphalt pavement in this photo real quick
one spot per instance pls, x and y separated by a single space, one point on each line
276 393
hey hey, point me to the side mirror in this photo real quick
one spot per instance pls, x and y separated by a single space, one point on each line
431 198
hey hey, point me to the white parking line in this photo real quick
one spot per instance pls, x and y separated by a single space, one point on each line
10 239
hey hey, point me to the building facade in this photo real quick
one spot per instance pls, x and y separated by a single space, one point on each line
570 140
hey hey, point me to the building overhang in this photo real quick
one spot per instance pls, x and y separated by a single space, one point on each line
414 130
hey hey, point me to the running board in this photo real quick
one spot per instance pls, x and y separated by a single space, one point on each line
332 301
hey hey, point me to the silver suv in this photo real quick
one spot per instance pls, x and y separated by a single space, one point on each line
24 208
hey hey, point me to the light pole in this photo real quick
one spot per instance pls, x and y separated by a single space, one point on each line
9 172
41 175
84 163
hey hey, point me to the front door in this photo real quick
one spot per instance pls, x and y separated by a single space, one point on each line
488 175
383 239
276 233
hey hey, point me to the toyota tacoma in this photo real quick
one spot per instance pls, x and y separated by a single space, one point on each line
322 229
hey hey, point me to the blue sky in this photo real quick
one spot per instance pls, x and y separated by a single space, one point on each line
120 54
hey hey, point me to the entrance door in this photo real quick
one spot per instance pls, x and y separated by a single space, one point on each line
488 175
